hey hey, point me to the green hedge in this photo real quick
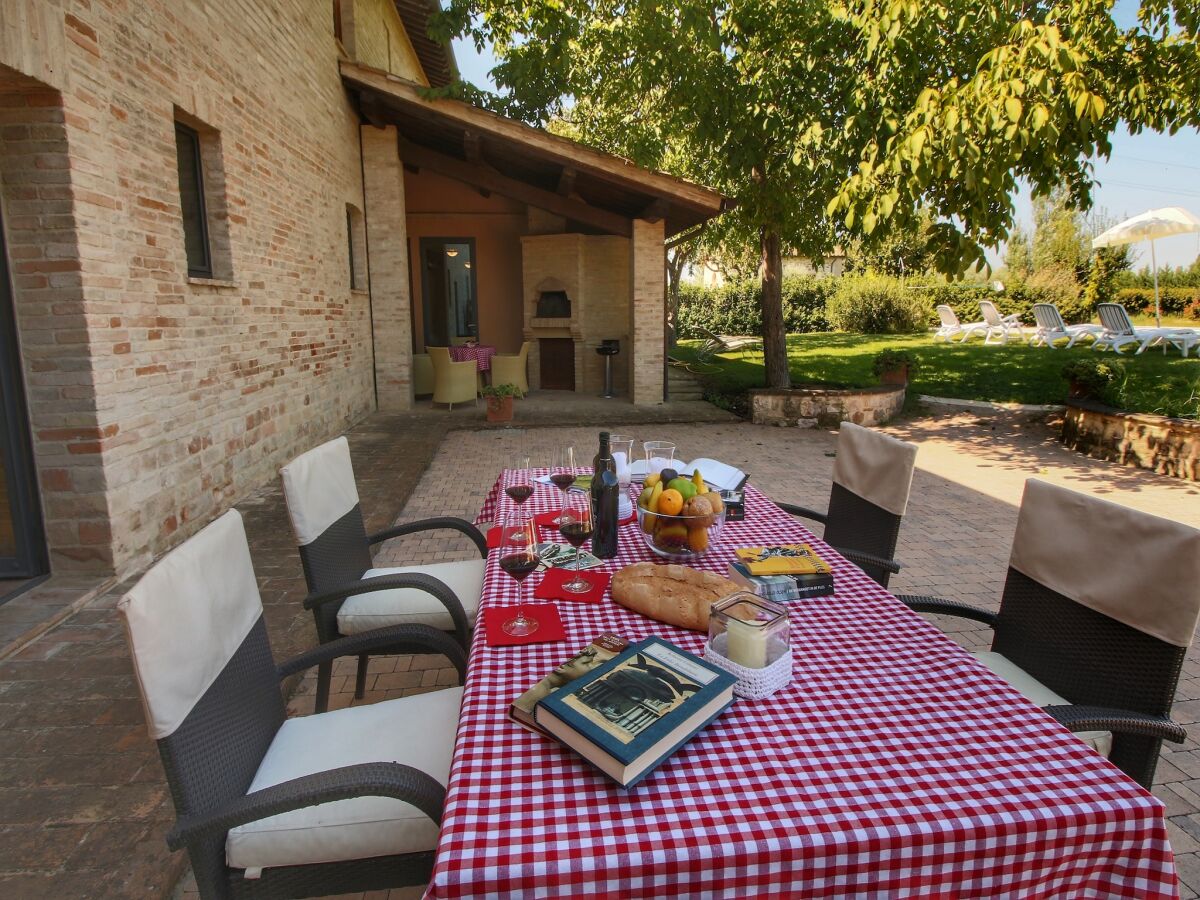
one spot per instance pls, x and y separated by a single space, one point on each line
735 307
1174 300
873 304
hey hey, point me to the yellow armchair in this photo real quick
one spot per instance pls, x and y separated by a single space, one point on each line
509 368
422 375
453 382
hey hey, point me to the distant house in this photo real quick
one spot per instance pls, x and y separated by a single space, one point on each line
708 274
230 225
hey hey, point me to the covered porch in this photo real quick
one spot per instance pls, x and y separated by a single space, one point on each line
480 227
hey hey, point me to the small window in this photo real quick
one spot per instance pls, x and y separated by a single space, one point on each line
356 245
337 19
191 201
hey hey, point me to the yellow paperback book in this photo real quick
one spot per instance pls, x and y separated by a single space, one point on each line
783 559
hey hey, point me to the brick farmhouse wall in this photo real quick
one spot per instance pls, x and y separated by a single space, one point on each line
157 400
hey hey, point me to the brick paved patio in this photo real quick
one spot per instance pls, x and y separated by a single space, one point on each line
83 807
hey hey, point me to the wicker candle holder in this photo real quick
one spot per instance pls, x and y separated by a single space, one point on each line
749 637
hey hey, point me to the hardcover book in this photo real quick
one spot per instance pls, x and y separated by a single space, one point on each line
631 713
782 588
595 654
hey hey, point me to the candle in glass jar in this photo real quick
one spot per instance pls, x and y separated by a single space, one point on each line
747 644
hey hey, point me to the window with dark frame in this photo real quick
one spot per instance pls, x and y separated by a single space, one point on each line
337 19
191 201
354 285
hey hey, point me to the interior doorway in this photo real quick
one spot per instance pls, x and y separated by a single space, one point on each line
449 301
22 539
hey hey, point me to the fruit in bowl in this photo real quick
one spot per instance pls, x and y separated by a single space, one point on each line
680 518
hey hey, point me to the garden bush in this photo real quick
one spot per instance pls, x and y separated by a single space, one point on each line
735 307
1174 301
874 304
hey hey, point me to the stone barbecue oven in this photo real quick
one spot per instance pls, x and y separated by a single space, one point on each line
577 290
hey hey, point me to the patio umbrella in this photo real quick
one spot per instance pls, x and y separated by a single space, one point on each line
1155 223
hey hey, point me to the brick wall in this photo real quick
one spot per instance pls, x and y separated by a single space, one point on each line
647 301
157 400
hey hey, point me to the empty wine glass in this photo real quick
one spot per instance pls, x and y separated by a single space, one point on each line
520 485
518 557
575 524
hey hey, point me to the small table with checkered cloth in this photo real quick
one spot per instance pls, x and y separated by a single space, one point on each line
481 353
894 765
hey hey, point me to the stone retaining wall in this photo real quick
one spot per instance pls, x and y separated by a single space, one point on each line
1167 446
808 407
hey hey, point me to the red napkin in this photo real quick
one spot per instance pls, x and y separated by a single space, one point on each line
546 614
493 537
546 519
551 586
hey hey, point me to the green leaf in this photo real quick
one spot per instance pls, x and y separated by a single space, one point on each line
1012 106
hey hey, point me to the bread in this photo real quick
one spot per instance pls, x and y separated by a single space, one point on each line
673 594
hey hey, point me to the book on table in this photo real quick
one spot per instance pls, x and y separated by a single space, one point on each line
716 474
782 588
595 654
632 712
782 559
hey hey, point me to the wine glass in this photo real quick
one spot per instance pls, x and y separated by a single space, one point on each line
562 472
520 486
575 524
518 557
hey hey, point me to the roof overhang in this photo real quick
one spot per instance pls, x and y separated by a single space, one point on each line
593 189
437 59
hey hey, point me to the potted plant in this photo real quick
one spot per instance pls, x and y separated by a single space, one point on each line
499 398
1089 378
894 366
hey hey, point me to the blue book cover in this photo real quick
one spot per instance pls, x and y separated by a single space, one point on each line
638 708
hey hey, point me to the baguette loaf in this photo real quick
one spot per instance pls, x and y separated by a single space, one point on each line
673 594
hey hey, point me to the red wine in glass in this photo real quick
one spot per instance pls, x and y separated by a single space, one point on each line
519 565
519 493
562 480
576 525
576 533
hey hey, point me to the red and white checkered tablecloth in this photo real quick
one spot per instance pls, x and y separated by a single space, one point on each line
894 765
481 353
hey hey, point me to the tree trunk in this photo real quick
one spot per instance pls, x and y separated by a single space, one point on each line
676 260
774 339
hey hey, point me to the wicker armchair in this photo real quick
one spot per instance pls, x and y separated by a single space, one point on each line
347 595
453 382
1099 644
511 368
254 791
871 480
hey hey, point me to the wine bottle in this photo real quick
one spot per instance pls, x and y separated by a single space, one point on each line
606 494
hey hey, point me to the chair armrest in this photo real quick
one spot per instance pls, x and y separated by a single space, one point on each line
378 779
400 638
417 580
1124 721
803 512
947 608
434 524
859 558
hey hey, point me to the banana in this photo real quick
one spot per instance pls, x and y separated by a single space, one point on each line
652 479
698 481
648 519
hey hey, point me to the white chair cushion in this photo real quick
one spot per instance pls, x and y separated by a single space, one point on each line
410 606
417 731
1036 692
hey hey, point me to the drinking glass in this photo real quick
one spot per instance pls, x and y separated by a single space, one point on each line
518 557
562 472
520 487
659 455
622 451
575 524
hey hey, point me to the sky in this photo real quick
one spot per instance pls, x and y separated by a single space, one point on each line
1145 171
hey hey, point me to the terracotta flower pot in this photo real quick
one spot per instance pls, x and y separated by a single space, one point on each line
895 376
499 409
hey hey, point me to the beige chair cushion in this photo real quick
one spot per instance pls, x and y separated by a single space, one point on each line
319 488
416 731
1036 692
409 606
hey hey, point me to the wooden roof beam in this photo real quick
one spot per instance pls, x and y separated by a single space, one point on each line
486 178
566 181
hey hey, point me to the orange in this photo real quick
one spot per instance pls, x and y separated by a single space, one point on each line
670 502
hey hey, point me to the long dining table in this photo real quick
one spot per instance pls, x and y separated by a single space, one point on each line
893 765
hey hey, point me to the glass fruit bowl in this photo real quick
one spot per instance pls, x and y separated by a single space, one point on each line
679 537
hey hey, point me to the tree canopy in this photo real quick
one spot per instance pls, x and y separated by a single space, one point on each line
833 122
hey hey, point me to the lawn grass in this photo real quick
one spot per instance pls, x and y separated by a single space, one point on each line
1011 373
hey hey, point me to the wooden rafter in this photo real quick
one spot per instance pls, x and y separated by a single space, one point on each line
484 177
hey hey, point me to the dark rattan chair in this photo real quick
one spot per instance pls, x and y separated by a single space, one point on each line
872 476
1098 641
255 791
346 594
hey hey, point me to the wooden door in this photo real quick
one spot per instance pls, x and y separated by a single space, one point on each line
558 364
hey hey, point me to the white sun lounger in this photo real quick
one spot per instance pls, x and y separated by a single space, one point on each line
951 327
1119 331
1000 327
1051 327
